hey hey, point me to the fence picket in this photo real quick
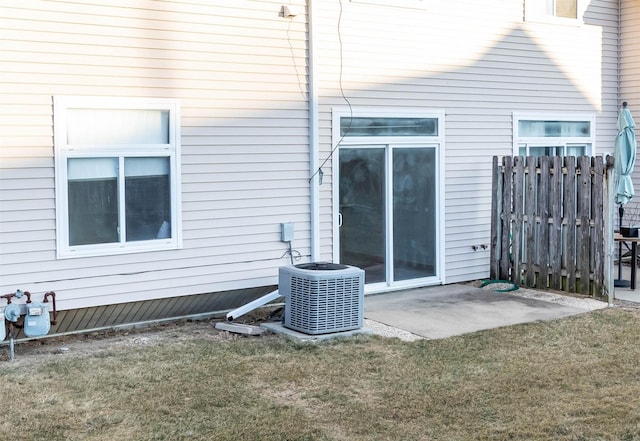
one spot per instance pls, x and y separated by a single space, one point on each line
507 209
555 232
569 221
530 223
518 204
583 243
543 228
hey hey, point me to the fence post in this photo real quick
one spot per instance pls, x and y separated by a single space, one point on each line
495 219
609 244
598 191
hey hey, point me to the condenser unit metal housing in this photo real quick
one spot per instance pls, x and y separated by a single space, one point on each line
322 298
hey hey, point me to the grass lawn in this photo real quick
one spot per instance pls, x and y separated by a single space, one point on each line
572 379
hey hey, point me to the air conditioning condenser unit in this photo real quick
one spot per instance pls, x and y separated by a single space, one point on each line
322 298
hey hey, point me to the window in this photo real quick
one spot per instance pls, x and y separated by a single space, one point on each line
117 175
563 8
559 11
386 126
549 135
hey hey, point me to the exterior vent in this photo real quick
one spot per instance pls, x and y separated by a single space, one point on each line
322 298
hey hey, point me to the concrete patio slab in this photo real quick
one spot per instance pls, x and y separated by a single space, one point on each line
448 310
626 293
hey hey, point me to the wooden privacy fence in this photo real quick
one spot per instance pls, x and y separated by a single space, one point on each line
548 222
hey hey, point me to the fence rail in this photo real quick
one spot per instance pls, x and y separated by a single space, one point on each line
548 222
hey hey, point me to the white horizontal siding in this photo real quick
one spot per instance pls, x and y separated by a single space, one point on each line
630 80
630 55
239 72
480 62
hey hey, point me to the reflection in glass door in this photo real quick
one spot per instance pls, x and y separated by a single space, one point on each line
362 210
414 213
387 203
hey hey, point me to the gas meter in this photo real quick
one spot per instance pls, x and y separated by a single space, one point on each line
36 320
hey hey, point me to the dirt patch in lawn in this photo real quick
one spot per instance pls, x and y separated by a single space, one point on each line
88 343
79 344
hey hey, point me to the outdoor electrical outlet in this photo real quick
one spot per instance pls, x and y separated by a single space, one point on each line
286 232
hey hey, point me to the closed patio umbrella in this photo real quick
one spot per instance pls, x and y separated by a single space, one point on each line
625 155
625 159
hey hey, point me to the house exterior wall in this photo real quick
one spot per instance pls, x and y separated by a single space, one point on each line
239 73
630 54
480 62
630 83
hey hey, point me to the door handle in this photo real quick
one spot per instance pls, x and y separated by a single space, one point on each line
339 220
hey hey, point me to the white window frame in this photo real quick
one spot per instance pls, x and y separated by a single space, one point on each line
531 141
533 14
65 151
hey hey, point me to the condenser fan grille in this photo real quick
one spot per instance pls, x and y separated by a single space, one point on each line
318 302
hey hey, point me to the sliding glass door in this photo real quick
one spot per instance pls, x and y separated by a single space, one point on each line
388 211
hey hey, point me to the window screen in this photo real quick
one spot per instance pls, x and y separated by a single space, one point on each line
92 200
147 198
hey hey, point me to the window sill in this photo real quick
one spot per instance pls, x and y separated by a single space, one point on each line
558 21
117 249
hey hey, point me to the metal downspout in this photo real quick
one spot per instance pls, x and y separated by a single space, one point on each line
314 182
609 243
619 56
611 178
